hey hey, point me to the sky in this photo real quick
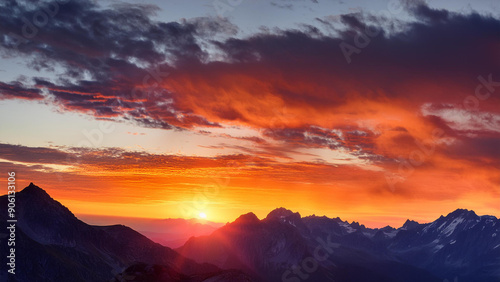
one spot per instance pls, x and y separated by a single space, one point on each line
372 111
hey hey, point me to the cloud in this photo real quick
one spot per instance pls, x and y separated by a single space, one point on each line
294 70
111 58
255 179
16 90
289 4
295 86
464 121
119 47
43 155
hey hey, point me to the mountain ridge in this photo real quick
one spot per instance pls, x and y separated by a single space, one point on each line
432 250
54 245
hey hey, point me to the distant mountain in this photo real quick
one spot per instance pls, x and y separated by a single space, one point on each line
170 232
261 248
53 245
461 245
174 232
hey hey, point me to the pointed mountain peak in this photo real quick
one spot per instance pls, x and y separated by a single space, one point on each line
32 189
387 228
249 218
462 213
409 221
281 213
32 186
410 224
356 225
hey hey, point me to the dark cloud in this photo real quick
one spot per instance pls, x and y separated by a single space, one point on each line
116 159
117 46
481 150
118 62
423 12
289 4
122 49
16 90
434 60
19 153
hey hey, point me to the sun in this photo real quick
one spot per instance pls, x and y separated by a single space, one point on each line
202 215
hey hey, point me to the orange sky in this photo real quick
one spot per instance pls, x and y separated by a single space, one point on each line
226 187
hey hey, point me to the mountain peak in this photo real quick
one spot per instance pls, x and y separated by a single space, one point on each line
409 224
462 213
32 189
249 218
280 213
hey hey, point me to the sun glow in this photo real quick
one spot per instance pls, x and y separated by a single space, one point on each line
202 215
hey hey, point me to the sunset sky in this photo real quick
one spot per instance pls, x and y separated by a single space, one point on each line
373 111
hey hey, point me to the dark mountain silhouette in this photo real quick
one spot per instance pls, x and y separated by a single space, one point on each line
174 232
142 272
170 232
461 245
53 245
258 247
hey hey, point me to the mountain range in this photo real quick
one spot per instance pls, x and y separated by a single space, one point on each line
53 245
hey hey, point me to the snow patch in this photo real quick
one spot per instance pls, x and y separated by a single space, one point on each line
347 227
452 226
430 226
438 247
391 234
